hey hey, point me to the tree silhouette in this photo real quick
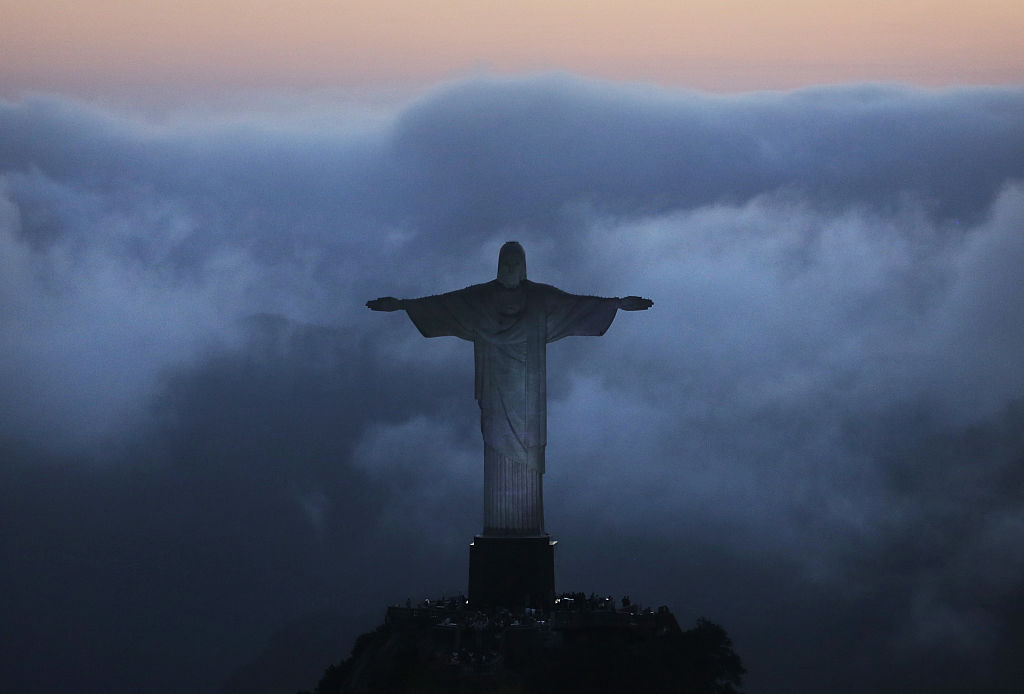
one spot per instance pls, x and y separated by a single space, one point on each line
669 660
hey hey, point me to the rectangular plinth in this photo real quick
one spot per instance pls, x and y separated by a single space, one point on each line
512 572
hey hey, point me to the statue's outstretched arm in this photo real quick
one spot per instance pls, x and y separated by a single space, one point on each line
386 303
634 303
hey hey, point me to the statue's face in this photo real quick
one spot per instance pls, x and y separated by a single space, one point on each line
511 265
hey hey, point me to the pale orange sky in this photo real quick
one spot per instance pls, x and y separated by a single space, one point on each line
724 45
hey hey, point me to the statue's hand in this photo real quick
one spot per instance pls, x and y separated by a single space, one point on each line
635 303
385 303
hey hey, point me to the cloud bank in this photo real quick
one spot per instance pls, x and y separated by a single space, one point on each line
813 438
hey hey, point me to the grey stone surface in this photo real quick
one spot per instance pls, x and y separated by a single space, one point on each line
510 320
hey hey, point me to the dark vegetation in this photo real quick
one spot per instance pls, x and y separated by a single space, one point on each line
580 649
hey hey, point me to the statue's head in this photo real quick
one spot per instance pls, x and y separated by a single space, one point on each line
511 264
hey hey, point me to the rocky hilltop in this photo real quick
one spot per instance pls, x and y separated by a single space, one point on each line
586 644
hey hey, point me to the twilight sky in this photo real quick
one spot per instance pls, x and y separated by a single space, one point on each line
217 466
123 46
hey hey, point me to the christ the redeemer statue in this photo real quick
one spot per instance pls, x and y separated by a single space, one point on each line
510 320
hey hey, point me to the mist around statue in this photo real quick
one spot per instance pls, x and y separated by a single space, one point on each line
218 465
514 632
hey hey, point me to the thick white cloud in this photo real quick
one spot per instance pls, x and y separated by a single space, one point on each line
823 399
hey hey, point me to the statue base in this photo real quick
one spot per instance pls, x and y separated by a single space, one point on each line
512 572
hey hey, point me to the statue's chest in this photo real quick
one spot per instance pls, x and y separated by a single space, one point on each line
509 304
510 317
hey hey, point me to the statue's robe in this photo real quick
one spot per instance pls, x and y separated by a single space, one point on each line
509 329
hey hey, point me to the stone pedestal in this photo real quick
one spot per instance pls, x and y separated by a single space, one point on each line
512 572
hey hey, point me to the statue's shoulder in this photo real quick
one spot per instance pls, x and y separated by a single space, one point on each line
482 288
472 289
541 288
542 292
474 293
